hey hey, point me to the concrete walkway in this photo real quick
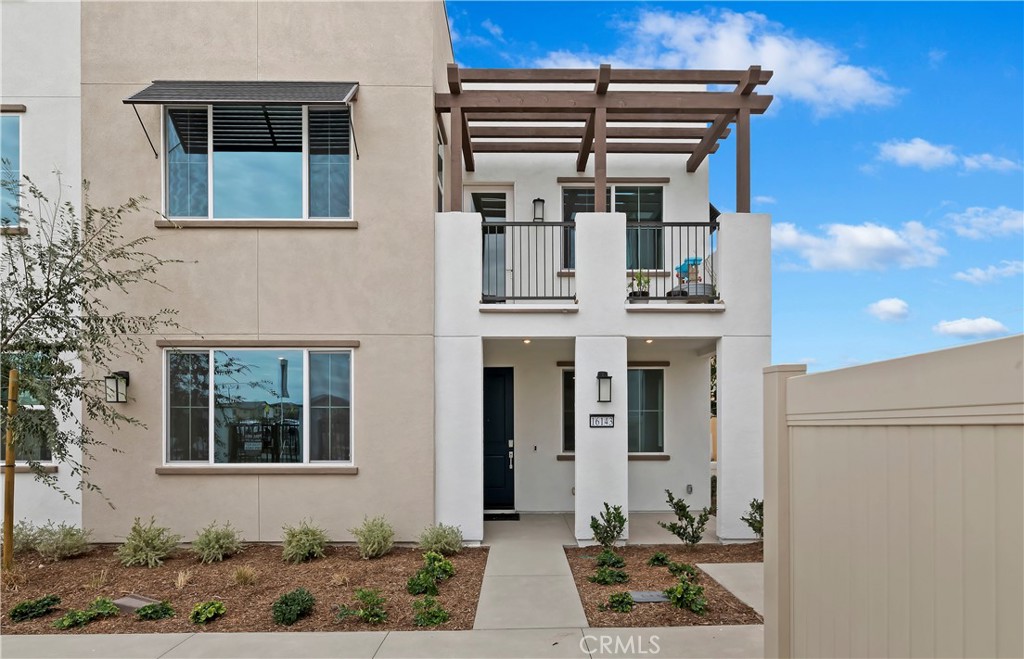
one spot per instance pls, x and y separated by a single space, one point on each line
744 580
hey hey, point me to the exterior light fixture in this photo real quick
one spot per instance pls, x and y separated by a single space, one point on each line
538 210
526 341
604 387
649 341
117 387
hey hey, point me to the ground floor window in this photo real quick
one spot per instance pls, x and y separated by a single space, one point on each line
36 424
568 411
237 406
646 410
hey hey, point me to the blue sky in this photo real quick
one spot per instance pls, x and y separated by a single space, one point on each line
891 160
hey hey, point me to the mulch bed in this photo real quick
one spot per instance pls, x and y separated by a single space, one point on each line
332 580
723 607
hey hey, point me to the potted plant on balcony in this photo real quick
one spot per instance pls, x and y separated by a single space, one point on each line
639 288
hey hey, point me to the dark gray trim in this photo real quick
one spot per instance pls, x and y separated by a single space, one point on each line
270 470
257 343
166 92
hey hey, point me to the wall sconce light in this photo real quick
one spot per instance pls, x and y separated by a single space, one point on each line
604 387
538 210
117 387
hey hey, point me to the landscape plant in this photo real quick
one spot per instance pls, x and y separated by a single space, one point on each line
657 559
244 575
441 538
290 607
303 542
155 611
689 529
101 607
428 612
755 517
608 558
682 569
609 527
370 609
375 537
37 608
56 542
204 612
215 543
607 576
422 583
24 537
619 602
687 595
438 566
147 545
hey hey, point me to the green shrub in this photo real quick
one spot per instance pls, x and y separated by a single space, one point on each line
437 565
147 545
55 542
608 529
689 529
619 602
608 558
371 607
204 612
682 569
657 559
291 606
606 576
755 517
443 539
304 542
374 536
24 537
428 613
215 543
101 607
687 595
155 611
30 609
422 583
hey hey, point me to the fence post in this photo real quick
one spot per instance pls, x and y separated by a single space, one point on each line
777 596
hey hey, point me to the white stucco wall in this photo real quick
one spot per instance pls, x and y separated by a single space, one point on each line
40 55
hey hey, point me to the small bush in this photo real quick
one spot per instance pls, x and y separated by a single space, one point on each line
55 542
147 545
215 543
422 583
437 565
30 609
155 611
687 595
101 607
291 606
607 576
25 534
374 536
689 529
682 569
608 529
204 612
183 579
428 613
371 607
657 559
619 603
608 558
304 542
755 517
244 576
443 539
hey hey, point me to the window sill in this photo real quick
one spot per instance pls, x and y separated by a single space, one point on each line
529 307
661 306
25 469
270 470
256 224
13 231
638 457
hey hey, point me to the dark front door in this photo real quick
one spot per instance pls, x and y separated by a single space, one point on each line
499 461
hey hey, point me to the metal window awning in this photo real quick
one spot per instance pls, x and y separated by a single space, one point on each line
203 92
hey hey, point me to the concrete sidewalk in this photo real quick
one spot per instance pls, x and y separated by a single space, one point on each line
575 642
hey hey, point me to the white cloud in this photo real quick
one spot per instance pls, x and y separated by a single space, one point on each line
970 328
985 275
764 199
977 222
917 153
861 247
494 29
936 57
806 70
889 309
989 161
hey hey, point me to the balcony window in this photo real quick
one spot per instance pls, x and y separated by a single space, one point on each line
10 168
644 245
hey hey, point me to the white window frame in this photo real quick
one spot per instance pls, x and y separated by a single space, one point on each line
306 461
20 116
210 212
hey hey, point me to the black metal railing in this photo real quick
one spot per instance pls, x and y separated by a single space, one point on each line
671 261
524 261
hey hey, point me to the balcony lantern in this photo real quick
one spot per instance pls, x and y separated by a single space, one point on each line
538 210
117 387
604 387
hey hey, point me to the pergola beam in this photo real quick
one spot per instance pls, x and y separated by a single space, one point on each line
579 132
586 145
666 116
709 141
572 147
630 76
600 159
573 102
454 79
604 75
467 146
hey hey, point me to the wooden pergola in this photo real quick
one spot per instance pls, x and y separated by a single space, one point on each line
688 122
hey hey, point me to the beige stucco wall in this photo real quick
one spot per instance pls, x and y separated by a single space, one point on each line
373 284
895 506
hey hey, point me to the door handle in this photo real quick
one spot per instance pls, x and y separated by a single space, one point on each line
510 459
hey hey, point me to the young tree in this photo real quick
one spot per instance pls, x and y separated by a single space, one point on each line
60 326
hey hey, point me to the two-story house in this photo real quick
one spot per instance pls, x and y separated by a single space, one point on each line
419 290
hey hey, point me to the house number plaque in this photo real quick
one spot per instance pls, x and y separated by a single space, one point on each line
602 420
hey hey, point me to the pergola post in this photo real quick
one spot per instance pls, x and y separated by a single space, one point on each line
600 159
455 166
743 161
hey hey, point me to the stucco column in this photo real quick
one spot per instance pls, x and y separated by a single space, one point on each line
777 604
740 430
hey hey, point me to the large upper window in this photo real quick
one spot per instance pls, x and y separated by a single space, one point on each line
10 168
258 162
255 405
639 203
